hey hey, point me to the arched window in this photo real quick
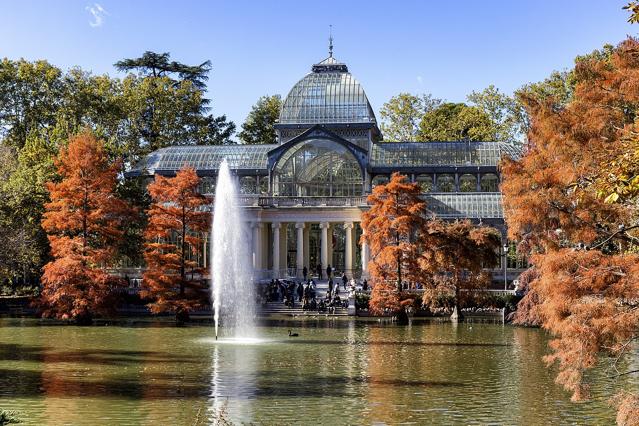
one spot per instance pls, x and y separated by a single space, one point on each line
379 180
468 183
318 167
489 183
248 185
425 182
445 183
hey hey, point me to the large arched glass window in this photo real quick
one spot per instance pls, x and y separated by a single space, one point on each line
489 182
467 183
318 167
425 182
445 183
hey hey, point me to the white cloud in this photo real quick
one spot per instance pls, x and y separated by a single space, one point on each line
98 13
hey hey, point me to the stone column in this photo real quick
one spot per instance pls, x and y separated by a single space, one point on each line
307 249
299 255
348 249
276 249
365 257
257 245
324 247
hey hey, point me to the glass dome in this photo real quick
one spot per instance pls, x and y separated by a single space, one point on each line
329 94
318 167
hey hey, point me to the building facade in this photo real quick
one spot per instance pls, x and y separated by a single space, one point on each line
304 195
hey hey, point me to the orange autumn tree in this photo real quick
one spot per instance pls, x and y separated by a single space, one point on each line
455 257
570 202
177 222
83 223
391 228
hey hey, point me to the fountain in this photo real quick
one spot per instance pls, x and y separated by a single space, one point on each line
232 278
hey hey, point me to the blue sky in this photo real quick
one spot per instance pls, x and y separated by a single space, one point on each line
263 47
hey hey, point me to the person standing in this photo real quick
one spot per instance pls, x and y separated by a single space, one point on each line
305 273
344 280
319 271
329 271
330 286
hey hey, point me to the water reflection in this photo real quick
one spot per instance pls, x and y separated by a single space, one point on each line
233 381
338 372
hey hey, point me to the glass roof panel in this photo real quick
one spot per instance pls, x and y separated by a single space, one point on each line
465 205
327 97
421 154
173 158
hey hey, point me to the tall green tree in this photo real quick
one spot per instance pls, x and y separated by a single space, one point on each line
402 114
30 95
259 127
152 64
23 197
506 112
457 122
167 102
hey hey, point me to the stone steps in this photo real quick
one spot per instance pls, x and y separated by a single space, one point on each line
278 308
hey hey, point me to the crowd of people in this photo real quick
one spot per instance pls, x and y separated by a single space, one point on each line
306 292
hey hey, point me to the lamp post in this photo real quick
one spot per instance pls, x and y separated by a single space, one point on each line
505 266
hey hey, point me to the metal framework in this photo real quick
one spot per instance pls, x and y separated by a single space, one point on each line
204 158
425 154
329 94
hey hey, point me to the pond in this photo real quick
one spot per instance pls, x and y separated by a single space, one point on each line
335 372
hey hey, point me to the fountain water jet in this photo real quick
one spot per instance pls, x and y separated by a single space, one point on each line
232 278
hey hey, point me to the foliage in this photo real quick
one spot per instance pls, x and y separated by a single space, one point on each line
177 222
158 65
633 8
83 223
362 301
402 114
527 313
29 95
172 100
8 417
558 203
259 125
589 300
457 122
455 254
507 114
390 225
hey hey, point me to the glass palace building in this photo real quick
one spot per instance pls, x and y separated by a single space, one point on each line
304 194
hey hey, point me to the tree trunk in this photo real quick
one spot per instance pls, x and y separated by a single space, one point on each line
181 317
84 319
182 267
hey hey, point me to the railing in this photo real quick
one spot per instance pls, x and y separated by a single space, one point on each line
289 201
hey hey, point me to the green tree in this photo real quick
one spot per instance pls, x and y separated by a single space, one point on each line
259 125
30 95
402 114
23 197
507 114
168 102
456 122
152 64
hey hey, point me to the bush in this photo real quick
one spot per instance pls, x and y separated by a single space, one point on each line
8 417
362 300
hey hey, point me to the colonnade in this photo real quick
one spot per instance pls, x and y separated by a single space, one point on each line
270 248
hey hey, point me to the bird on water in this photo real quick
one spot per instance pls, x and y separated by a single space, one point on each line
290 334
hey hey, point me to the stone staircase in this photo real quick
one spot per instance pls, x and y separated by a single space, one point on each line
280 309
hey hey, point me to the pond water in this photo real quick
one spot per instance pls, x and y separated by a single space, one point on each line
335 372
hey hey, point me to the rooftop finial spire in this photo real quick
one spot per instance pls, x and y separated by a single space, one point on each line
330 42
